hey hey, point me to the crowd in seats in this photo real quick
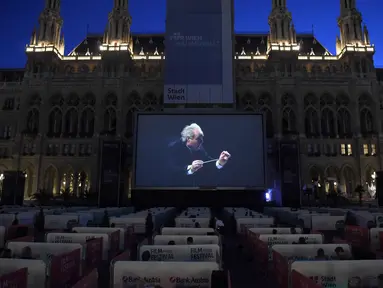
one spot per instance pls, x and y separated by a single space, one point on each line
321 247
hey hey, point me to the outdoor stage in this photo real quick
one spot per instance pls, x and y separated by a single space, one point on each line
147 198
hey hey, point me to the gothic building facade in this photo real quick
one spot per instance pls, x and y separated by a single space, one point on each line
56 111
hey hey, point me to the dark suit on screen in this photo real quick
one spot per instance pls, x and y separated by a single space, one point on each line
179 157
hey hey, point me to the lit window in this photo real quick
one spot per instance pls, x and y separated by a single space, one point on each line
365 149
349 149
342 149
373 149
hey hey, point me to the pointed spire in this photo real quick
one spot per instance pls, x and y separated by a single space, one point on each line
280 21
293 35
54 5
350 24
119 23
366 35
33 37
48 33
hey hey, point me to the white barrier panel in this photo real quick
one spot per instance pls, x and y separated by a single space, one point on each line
186 231
103 230
191 222
161 274
344 273
138 223
6 219
57 222
304 218
2 236
254 222
43 251
375 238
36 270
26 218
202 253
275 239
80 238
182 239
283 230
83 217
327 222
379 221
309 251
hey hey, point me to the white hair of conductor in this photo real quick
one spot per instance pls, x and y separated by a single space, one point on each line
188 131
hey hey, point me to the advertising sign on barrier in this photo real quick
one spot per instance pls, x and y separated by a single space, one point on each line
93 252
186 231
342 273
18 231
16 279
24 239
88 281
198 253
65 269
298 280
357 236
182 239
375 239
276 239
173 274
80 238
107 230
281 268
36 270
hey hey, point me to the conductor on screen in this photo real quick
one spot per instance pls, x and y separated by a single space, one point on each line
187 155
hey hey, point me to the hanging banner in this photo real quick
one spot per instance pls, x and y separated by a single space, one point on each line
290 174
111 154
199 52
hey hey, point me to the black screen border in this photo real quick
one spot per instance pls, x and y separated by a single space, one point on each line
205 113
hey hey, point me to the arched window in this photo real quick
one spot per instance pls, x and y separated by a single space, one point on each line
344 122
311 122
366 121
55 121
110 120
33 118
327 122
288 121
71 120
87 122
130 122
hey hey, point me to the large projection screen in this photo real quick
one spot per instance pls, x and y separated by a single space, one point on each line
170 148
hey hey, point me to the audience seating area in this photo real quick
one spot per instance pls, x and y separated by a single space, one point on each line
197 247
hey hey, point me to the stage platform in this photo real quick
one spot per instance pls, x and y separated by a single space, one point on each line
146 198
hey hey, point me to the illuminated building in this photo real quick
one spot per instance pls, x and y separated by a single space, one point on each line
56 110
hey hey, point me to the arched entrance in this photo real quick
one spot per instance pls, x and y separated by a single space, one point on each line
50 180
332 179
370 181
67 181
83 183
29 174
348 181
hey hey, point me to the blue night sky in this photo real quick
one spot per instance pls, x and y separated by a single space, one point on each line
17 19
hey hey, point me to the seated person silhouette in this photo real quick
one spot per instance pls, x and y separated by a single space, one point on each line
145 256
190 241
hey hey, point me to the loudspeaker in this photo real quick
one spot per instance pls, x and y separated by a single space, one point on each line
379 187
13 188
110 174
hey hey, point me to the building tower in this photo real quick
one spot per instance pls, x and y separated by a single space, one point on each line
117 32
282 31
350 25
48 34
